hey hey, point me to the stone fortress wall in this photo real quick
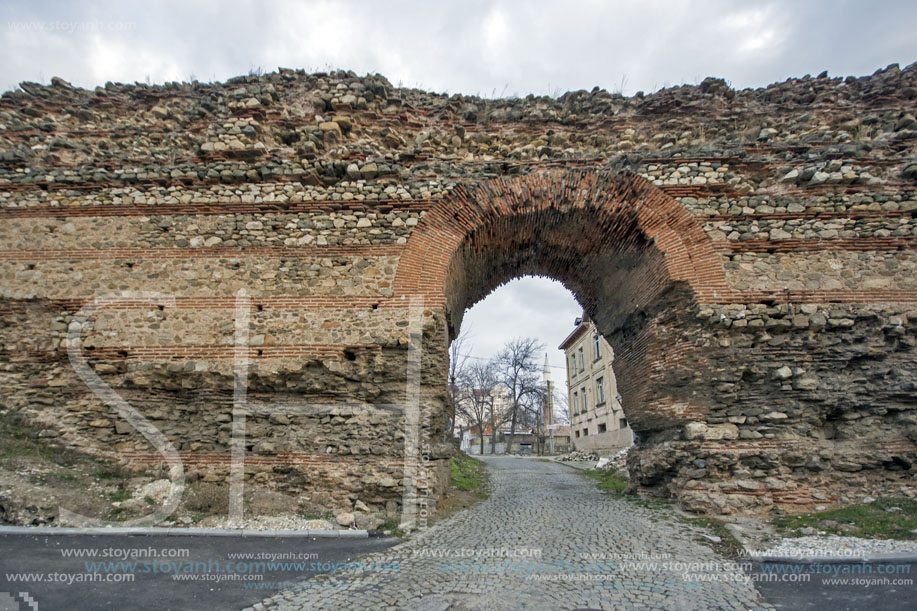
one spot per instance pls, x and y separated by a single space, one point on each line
755 250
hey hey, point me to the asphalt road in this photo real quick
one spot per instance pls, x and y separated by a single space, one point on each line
162 572
158 591
868 586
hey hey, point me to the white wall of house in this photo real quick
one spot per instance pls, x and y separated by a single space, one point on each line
597 421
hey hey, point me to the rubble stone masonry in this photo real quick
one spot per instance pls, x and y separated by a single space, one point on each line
750 256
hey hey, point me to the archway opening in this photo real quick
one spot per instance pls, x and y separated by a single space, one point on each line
507 375
610 265
635 258
569 401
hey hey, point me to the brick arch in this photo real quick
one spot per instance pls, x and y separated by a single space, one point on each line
624 211
634 258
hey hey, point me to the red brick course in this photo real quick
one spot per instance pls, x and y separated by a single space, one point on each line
209 208
107 254
200 352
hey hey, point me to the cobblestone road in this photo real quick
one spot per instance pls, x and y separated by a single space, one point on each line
545 539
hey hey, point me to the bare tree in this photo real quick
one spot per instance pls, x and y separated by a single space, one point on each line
476 394
458 361
561 407
517 370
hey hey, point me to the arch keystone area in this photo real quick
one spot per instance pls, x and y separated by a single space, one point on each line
624 206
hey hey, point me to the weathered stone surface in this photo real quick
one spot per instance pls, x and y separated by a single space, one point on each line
748 254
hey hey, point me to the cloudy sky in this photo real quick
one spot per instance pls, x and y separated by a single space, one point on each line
496 48
471 46
526 307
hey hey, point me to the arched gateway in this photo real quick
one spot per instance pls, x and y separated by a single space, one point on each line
315 240
715 425
630 254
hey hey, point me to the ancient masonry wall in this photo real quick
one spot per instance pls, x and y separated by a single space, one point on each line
749 254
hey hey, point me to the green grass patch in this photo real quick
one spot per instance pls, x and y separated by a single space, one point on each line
120 495
616 483
391 525
469 475
648 502
15 447
610 481
885 518
20 440
728 545
111 472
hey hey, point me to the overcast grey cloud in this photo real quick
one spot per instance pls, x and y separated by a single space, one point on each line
535 307
497 48
491 48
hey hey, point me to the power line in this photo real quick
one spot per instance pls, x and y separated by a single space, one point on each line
484 358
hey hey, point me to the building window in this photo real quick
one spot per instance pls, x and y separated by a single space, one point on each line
581 362
622 423
577 434
573 363
585 432
599 391
584 403
575 404
597 346
602 427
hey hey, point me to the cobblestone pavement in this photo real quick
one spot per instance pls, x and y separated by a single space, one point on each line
545 539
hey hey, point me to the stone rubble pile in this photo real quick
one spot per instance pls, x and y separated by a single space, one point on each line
578 456
353 134
618 462
281 522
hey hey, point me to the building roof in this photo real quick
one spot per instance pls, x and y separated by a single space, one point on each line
575 335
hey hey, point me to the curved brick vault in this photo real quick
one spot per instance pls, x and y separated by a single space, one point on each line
569 225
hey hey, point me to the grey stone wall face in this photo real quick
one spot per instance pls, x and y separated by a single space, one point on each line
748 254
